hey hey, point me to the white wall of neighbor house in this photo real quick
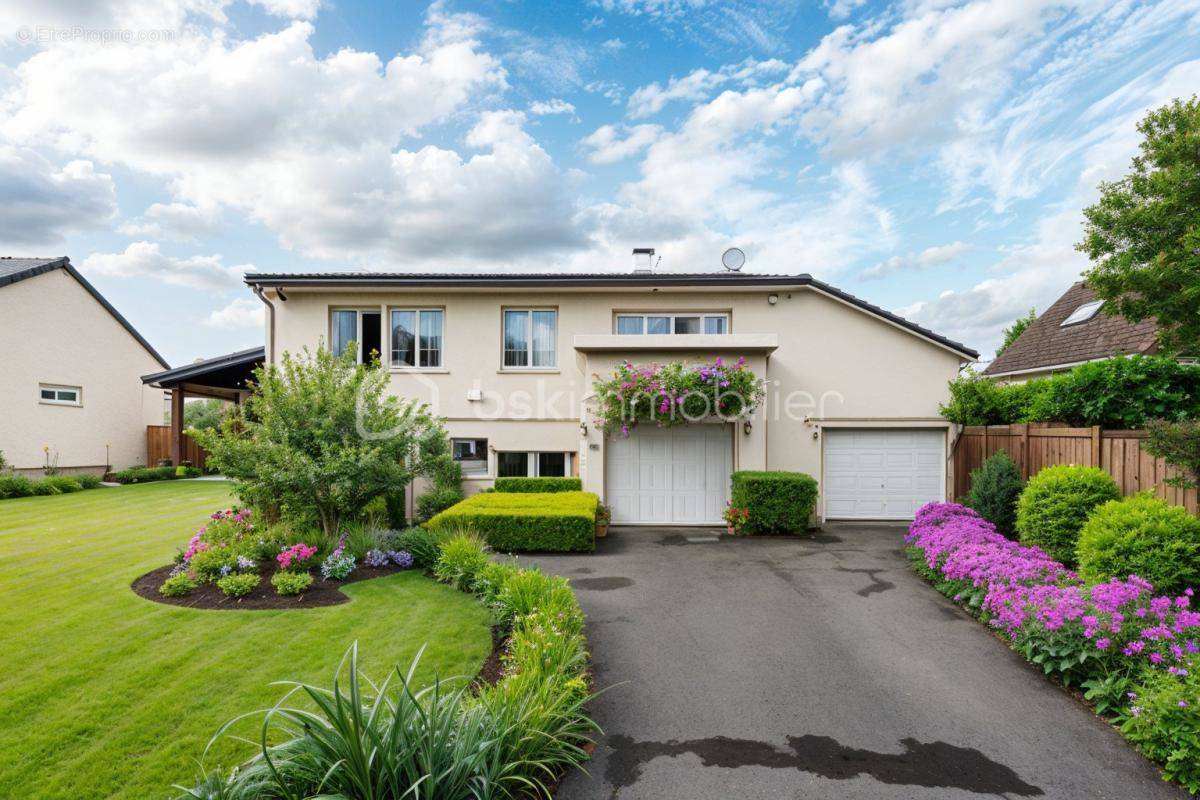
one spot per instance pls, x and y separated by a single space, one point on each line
57 335
835 365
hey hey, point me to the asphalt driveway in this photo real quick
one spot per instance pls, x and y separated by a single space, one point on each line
823 668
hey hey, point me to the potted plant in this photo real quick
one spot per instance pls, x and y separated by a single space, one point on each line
735 518
603 518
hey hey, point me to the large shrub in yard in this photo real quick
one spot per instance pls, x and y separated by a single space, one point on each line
777 502
1055 506
1143 536
557 521
539 485
995 488
320 438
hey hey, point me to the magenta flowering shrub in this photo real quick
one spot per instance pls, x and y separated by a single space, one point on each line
675 394
1071 628
225 544
296 556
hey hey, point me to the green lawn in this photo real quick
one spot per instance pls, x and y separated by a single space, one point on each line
104 694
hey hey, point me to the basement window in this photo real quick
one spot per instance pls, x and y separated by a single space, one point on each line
1083 313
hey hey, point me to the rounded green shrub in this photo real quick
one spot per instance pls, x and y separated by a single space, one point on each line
995 487
177 585
89 480
1143 536
238 584
1056 504
46 488
15 486
64 483
463 556
207 564
286 583
778 502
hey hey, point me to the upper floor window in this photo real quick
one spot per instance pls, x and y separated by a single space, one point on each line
417 337
529 338
639 324
60 395
362 330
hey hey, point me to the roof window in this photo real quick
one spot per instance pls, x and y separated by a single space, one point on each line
1083 313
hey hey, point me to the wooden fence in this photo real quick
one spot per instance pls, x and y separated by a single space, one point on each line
1034 446
158 447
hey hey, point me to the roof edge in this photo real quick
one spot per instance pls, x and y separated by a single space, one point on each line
179 374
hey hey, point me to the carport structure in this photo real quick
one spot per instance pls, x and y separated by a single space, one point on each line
225 377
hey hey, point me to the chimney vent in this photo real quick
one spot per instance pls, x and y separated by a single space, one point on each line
643 259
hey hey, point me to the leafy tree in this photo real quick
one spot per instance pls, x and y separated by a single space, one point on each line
320 439
1016 329
1177 443
1143 236
204 413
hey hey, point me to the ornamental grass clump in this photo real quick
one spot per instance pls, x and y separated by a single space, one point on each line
675 394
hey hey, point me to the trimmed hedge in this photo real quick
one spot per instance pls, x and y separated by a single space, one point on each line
542 521
513 485
1055 505
20 486
779 502
145 474
1143 536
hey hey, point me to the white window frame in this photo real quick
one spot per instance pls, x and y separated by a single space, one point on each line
486 456
528 311
416 366
1085 312
358 327
58 388
671 315
531 468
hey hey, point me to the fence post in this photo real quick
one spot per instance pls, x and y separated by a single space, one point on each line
1025 452
1096 446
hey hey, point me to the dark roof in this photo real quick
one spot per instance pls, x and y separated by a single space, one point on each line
13 270
592 279
1046 343
225 369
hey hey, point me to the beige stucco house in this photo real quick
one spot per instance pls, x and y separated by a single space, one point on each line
509 360
71 366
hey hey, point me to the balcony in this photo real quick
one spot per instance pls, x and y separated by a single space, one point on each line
742 343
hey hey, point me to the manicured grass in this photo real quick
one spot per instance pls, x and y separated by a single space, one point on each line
104 694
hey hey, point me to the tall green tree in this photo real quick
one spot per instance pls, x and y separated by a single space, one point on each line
320 438
1012 332
1143 236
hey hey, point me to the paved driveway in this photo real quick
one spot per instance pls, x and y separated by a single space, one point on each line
817 669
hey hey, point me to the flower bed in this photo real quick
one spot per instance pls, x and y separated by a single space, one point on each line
1131 650
675 394
511 738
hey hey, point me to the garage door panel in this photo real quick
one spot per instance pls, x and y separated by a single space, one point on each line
881 473
672 475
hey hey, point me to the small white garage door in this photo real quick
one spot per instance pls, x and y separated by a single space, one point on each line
670 475
882 474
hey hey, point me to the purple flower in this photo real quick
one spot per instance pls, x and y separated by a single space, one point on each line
1102 643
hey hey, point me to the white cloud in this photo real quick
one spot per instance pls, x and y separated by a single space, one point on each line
612 46
841 9
65 17
699 84
145 260
610 143
179 221
42 203
239 314
553 106
929 257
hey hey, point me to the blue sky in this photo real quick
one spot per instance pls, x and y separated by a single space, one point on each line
929 156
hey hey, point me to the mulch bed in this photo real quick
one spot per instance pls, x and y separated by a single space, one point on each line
207 595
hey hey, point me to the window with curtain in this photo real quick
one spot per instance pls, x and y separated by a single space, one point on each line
530 338
635 324
471 454
631 326
533 465
512 465
343 331
417 337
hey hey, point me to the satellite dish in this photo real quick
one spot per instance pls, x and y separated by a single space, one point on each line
733 259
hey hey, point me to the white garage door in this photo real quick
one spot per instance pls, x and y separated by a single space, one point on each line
670 475
882 474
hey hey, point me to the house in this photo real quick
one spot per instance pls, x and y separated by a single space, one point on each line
1071 332
509 360
71 393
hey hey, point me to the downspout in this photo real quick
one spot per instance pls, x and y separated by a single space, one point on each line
258 290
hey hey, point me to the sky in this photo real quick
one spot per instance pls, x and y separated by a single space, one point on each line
932 157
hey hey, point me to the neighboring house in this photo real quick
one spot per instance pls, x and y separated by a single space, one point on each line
509 360
70 390
1073 331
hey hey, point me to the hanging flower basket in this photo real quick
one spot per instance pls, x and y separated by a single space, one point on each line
675 394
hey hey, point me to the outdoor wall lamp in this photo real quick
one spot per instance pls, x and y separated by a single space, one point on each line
747 427
583 429
772 299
